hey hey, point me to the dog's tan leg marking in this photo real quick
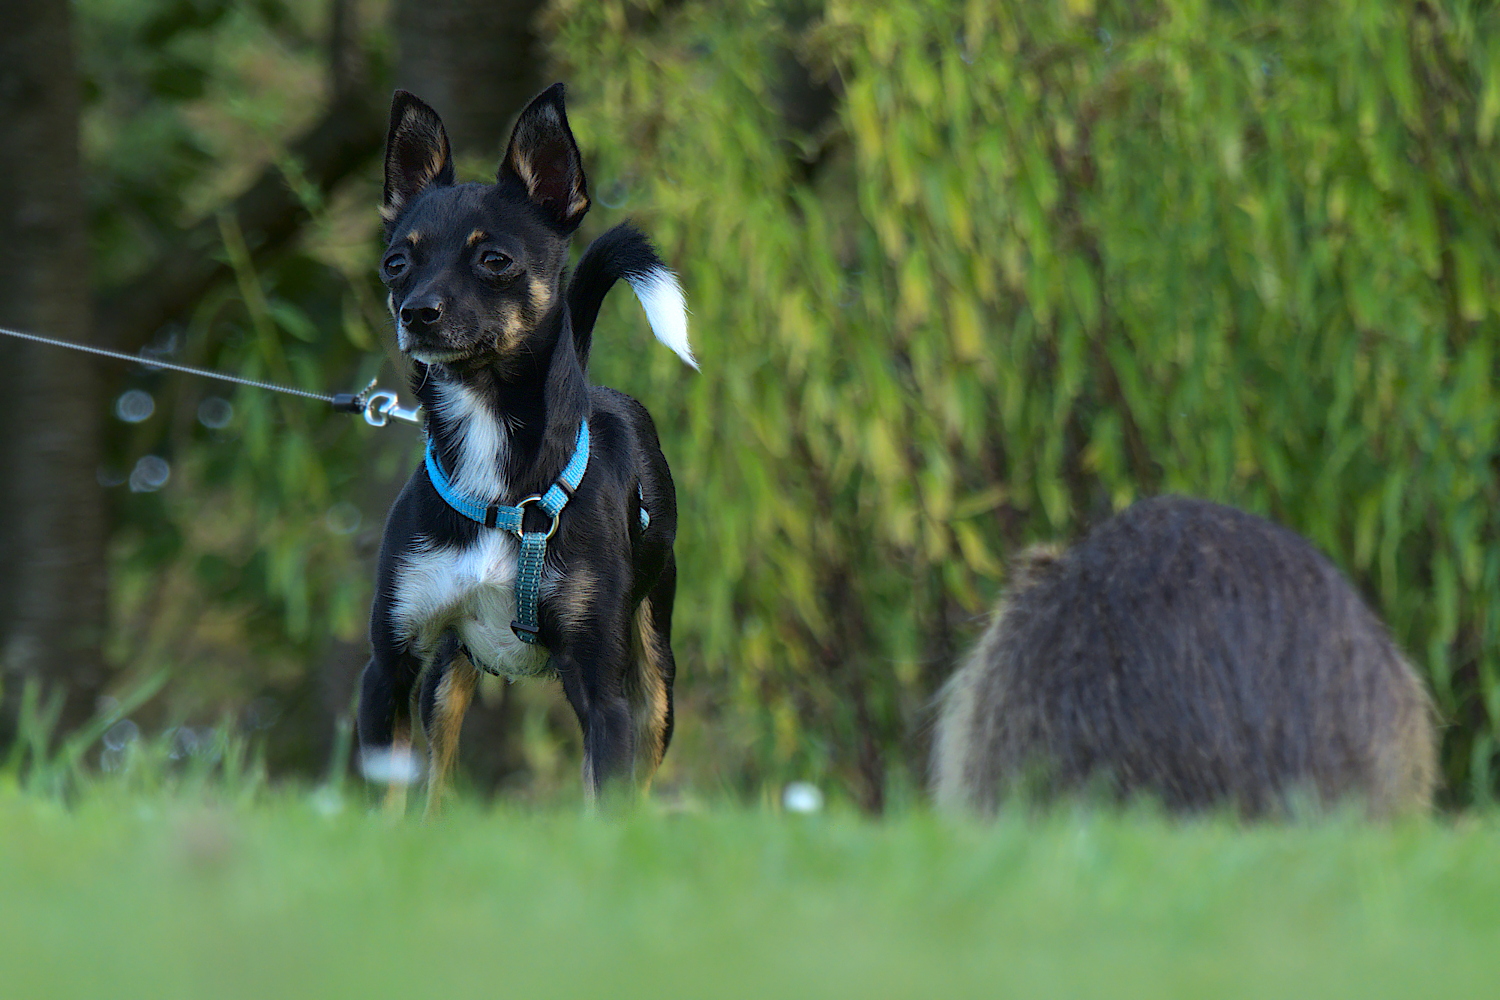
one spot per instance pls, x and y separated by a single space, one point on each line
454 693
395 791
576 597
647 690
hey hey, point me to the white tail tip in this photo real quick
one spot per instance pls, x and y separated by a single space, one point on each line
662 298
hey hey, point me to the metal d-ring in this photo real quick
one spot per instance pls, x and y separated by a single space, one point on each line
521 506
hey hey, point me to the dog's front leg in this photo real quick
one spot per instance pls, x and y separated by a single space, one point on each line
592 668
447 689
385 721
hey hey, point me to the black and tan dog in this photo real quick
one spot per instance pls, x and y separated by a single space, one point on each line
500 339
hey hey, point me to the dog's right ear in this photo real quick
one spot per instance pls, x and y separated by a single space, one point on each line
416 153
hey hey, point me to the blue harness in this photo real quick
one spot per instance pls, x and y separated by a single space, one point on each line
512 519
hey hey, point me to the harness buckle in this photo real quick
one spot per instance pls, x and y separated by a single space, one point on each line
535 498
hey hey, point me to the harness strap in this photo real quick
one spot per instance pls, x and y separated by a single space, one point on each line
513 519
560 492
507 518
529 585
490 515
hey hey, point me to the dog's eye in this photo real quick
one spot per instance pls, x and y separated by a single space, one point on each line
495 262
394 265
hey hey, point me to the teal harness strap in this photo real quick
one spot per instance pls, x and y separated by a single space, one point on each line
529 585
506 518
489 515
533 543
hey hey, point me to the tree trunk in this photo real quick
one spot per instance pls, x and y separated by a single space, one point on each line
52 564
476 61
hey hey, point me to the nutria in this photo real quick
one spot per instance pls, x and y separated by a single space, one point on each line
1194 654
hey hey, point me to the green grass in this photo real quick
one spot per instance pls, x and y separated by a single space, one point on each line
139 894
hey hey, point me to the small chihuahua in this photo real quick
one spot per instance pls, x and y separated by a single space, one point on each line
536 537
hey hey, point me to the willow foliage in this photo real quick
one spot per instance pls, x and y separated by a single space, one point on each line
1046 259
237 571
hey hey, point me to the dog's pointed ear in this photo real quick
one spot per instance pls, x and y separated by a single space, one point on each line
416 153
544 159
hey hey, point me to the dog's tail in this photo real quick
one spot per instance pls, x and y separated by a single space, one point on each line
625 252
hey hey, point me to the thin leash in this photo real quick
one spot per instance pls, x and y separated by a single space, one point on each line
378 406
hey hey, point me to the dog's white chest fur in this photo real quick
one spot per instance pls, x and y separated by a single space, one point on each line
472 591
469 589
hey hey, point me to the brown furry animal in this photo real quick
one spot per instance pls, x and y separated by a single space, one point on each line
1194 653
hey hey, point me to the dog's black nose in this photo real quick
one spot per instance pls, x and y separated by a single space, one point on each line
421 311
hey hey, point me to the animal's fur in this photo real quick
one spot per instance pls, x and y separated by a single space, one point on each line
499 338
1193 653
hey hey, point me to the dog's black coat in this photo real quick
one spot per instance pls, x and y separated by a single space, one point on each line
477 278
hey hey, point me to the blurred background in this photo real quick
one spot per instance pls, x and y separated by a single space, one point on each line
963 276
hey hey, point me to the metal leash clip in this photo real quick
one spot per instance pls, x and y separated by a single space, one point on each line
378 406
